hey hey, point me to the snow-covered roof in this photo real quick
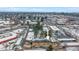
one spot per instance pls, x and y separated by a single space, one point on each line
7 36
66 39
40 39
54 28
30 36
72 44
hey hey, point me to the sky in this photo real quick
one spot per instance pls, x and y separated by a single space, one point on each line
39 9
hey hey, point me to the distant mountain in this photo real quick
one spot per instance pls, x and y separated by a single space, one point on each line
39 9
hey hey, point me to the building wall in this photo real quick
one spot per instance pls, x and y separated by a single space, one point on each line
38 44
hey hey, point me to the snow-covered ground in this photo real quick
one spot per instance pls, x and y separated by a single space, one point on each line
36 49
2 47
72 48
